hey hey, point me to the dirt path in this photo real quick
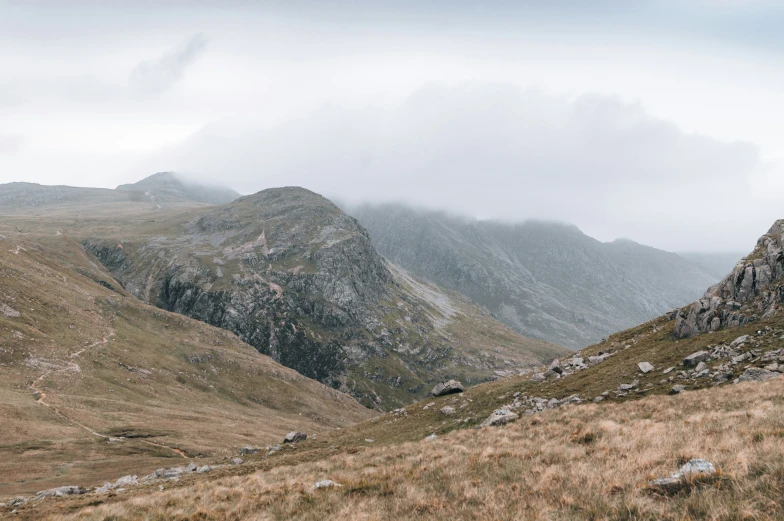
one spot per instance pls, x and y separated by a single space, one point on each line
71 366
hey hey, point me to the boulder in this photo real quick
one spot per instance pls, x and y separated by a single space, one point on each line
447 410
757 374
694 469
700 367
740 340
645 367
695 358
237 461
69 490
327 483
295 437
677 389
449 387
499 417
249 450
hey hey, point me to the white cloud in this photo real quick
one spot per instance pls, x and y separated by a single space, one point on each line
10 144
159 75
495 150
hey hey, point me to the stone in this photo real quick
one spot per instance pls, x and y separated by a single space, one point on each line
431 437
538 377
295 437
700 367
677 389
69 490
8 311
237 461
629 387
16 502
694 469
645 367
555 366
499 417
695 358
399 412
203 469
249 450
740 340
757 374
327 483
448 387
598 399
447 410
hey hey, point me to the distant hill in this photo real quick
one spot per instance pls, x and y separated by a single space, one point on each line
544 280
165 189
717 264
171 186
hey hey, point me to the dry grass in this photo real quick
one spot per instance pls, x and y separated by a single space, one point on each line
110 366
580 462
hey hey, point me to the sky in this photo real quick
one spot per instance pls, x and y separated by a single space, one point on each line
658 121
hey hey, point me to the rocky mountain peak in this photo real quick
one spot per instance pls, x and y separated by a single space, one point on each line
751 291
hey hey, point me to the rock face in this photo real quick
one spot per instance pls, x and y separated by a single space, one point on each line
544 280
751 291
449 387
295 277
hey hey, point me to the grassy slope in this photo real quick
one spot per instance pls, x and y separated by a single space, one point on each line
577 462
101 361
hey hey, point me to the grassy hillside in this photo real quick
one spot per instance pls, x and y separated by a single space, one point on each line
577 462
94 383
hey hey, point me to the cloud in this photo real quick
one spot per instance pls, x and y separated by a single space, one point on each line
10 144
159 75
498 151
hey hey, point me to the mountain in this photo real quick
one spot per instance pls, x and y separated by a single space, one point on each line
94 382
168 186
158 190
706 405
544 280
294 276
717 264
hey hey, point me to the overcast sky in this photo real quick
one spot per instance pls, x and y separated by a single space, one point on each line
659 121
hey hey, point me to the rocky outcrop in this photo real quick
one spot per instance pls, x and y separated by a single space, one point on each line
751 291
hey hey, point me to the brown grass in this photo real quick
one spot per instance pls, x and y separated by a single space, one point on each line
578 462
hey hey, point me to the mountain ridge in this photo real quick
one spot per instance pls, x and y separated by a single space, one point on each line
546 280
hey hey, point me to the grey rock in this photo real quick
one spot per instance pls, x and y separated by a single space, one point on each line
645 367
431 437
694 469
203 469
677 389
295 437
448 410
237 461
8 311
499 417
448 387
17 502
695 358
249 450
757 374
327 483
700 367
668 370
598 399
739 341
69 490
